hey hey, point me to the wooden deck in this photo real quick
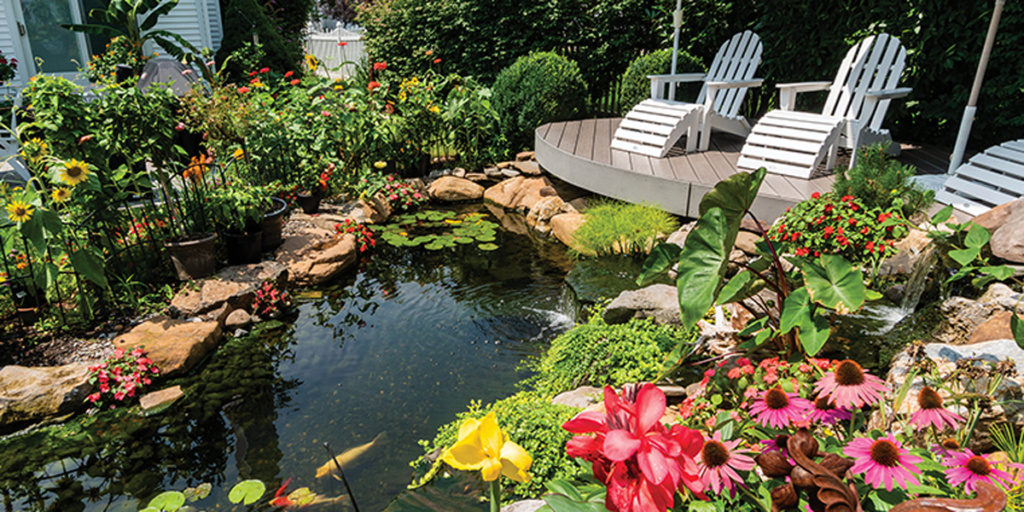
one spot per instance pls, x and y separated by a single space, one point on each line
579 152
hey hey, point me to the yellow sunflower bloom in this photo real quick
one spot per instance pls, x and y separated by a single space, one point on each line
19 211
74 172
483 446
238 154
61 194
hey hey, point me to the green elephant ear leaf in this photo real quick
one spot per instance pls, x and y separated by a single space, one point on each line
662 257
247 492
1017 326
734 196
834 283
798 312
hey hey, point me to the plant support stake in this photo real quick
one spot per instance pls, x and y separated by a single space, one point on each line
968 119
344 480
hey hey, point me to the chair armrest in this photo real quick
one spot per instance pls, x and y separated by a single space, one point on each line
805 86
756 82
889 94
685 77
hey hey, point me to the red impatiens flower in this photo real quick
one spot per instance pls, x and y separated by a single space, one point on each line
641 462
343 43
803 251
816 195
253 73
828 232
295 82
243 90
264 70
437 60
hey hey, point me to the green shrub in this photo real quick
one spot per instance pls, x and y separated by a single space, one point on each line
538 88
615 227
532 421
598 354
280 39
636 87
880 182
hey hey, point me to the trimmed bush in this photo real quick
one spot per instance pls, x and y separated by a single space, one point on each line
538 88
614 227
636 87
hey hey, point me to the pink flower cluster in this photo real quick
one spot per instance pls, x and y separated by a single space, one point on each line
363 234
402 195
121 376
270 301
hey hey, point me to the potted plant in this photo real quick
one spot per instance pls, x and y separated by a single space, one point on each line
192 246
238 211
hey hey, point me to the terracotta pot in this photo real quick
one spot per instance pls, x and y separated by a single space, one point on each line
193 257
243 247
273 223
310 203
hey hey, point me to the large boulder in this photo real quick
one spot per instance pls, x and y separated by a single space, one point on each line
519 193
909 252
961 317
451 189
175 346
580 398
541 214
235 286
30 395
315 256
564 225
1008 241
658 301
996 217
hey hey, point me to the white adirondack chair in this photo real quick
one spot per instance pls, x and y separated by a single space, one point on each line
653 127
794 143
987 180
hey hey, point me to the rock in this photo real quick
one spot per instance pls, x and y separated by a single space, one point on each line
29 395
439 173
748 224
493 173
564 225
997 217
452 189
235 286
510 173
895 293
996 292
746 242
503 165
239 333
909 251
477 177
997 327
518 193
580 398
961 317
313 259
237 319
528 168
524 156
175 346
658 301
1008 241
459 172
673 391
160 398
678 237
542 213
548 192
218 315
511 222
524 506
580 203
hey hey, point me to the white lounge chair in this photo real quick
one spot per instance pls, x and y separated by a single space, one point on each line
653 127
987 180
795 143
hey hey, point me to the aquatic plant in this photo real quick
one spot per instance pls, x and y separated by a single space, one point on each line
614 227
436 230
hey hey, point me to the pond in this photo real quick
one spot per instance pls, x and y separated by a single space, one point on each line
392 352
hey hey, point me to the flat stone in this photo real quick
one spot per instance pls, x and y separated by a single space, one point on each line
459 172
29 395
493 173
747 242
678 237
503 165
658 301
524 156
237 319
524 506
580 398
159 398
528 168
961 317
748 224
996 292
510 173
580 203
548 192
477 177
235 286
909 252
218 315
1008 241
997 327
453 189
313 258
542 212
175 346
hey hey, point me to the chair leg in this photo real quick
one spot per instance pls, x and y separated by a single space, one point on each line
832 153
692 132
705 130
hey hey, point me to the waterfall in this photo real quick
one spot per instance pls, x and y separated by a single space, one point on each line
916 283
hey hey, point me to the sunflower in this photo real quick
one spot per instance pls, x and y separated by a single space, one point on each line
311 62
61 194
239 154
19 211
74 172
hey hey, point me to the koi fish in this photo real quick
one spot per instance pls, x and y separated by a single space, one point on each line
302 497
346 458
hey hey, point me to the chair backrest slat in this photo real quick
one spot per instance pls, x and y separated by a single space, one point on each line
875 63
737 59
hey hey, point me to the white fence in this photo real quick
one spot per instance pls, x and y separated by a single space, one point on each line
335 48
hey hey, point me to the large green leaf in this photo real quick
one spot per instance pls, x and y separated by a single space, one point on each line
658 262
734 197
1017 326
87 263
942 215
795 309
702 265
965 256
562 503
168 501
247 491
835 283
977 236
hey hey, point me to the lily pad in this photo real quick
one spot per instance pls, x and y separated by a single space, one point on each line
169 501
247 492
487 247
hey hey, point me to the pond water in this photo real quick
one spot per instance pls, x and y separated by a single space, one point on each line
394 350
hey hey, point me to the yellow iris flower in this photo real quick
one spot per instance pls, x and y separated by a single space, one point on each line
483 446
19 211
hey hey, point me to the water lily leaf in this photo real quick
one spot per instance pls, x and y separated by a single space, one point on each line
247 492
835 283
433 246
423 239
487 247
483 238
168 501
464 240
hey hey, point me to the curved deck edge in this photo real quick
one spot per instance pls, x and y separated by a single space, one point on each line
674 196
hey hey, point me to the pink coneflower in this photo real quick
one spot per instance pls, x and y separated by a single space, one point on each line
932 412
969 469
883 461
779 409
849 386
824 412
946 448
718 462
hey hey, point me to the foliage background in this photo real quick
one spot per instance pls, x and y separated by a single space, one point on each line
279 25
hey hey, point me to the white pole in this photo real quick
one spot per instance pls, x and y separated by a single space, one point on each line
677 21
968 119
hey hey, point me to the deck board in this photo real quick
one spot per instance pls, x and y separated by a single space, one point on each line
576 148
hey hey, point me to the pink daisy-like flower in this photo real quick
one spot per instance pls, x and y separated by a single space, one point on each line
883 462
968 468
945 448
849 386
824 412
932 412
718 462
779 409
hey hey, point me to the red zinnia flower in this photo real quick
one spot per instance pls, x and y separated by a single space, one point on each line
380 66
288 74
243 90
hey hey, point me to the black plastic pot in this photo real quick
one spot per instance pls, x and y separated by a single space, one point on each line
243 248
310 203
194 256
28 303
273 223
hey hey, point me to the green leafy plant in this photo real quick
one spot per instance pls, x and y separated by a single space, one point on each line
8 67
134 21
964 247
636 87
238 208
538 88
613 227
879 182
363 234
